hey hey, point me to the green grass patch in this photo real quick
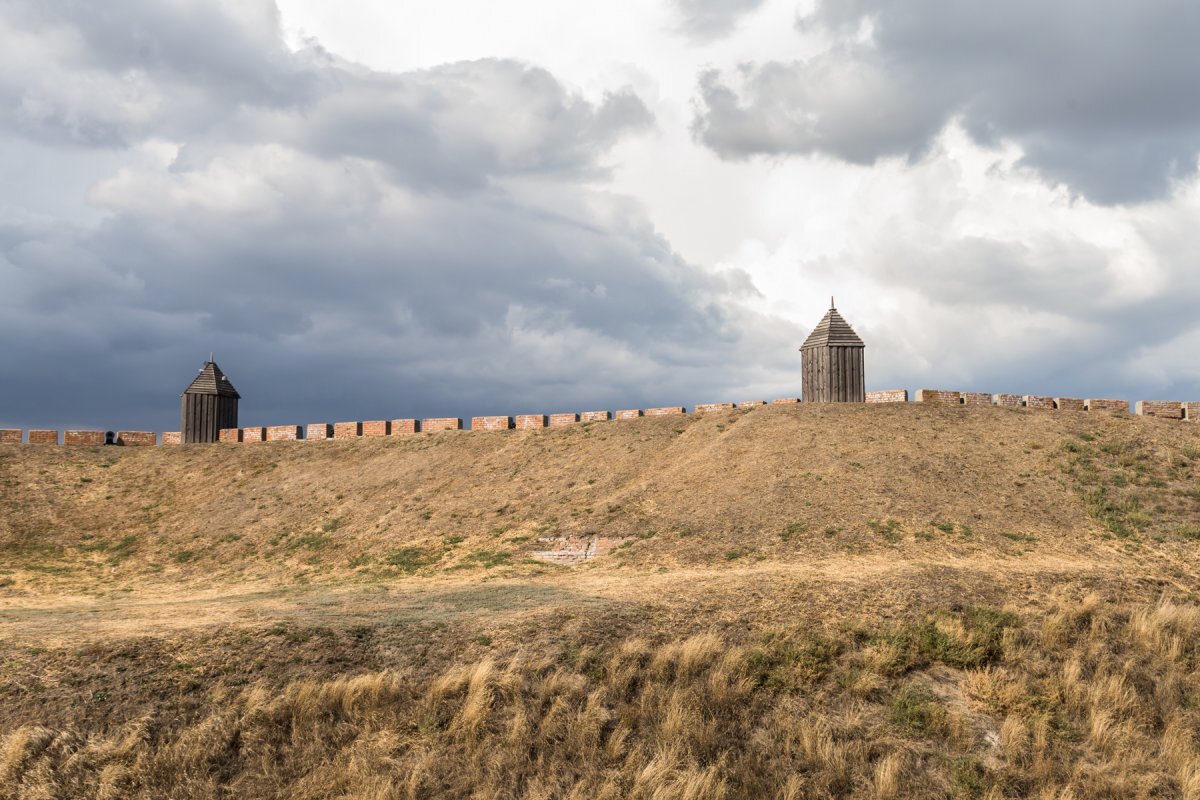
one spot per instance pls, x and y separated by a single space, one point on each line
410 559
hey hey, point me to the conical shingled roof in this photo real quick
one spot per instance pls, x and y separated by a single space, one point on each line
212 381
832 331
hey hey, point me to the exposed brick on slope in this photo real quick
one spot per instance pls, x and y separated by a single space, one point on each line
559 420
886 396
347 430
283 433
939 396
629 413
976 398
434 424
43 437
1038 401
706 407
254 434
80 438
595 416
137 438
528 422
11 435
318 431
229 435
1008 400
1096 404
491 423
664 412
172 437
376 427
405 427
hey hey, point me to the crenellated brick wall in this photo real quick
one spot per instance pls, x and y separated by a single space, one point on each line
706 407
491 423
441 424
377 427
318 432
321 431
347 430
136 439
1166 409
283 433
406 427
82 438
939 396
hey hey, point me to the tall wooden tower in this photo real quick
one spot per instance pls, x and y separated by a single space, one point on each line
831 359
209 404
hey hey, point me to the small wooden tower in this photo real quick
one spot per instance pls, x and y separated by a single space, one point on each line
831 359
209 404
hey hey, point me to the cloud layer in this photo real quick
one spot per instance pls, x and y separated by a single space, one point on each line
1100 97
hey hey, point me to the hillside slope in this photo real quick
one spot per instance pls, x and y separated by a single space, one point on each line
903 583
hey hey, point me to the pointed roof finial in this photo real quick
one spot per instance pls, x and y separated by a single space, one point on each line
210 357
831 301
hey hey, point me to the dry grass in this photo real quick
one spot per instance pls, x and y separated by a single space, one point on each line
921 603
695 718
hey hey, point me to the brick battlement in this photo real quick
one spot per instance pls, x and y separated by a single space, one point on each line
321 431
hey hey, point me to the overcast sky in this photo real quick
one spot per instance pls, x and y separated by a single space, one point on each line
379 209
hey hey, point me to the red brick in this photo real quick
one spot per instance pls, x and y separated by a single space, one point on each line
527 422
11 435
1038 401
77 438
377 427
886 396
1166 409
785 401
172 437
595 416
230 435
1008 400
560 420
706 407
318 431
347 430
491 423
283 433
664 412
137 438
939 396
751 403
1191 412
1070 404
43 437
405 427
254 434
976 399
1107 405
441 424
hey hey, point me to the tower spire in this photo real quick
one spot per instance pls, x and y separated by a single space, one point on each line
831 301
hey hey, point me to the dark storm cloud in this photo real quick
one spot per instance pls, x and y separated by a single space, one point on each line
351 243
705 20
1098 95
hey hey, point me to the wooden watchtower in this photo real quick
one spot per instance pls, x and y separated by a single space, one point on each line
831 360
209 404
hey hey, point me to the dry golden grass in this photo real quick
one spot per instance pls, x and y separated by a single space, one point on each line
813 603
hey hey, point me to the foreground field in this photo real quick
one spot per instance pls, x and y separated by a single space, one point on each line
797 602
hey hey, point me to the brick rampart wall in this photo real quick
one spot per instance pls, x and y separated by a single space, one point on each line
441 424
1167 409
1172 409
491 423
377 427
80 438
136 439
939 396
347 430
283 433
